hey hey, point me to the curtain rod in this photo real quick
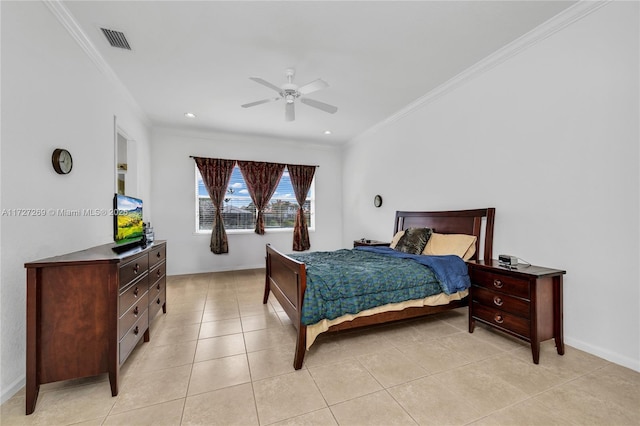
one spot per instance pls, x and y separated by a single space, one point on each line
197 156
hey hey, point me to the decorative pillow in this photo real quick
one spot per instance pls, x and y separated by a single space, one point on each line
414 240
396 238
461 245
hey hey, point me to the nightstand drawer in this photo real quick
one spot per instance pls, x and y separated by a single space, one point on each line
502 319
502 283
497 300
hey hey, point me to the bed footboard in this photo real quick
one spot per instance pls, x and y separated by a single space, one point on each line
286 278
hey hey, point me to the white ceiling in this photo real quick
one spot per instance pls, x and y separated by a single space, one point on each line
377 56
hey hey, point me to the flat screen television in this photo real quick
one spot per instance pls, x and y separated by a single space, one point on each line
128 227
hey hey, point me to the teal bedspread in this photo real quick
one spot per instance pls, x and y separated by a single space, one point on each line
350 281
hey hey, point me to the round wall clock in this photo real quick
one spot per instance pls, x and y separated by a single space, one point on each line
377 201
62 161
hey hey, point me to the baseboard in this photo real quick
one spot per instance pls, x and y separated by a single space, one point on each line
12 389
614 357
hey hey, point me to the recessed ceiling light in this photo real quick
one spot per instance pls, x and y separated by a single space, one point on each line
327 132
189 115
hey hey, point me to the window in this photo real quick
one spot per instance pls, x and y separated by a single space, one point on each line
239 212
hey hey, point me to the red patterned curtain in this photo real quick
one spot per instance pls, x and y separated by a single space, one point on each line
215 175
262 180
301 178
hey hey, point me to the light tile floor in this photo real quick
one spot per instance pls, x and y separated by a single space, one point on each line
221 357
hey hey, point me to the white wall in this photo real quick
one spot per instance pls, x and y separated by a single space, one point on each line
550 138
173 192
52 96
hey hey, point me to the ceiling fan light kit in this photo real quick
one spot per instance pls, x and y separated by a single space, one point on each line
290 92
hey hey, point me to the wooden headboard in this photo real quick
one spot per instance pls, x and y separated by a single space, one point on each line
454 222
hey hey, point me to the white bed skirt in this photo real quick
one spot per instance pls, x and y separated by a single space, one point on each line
314 330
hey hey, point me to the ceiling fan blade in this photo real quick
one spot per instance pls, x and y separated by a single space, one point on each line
264 101
289 112
313 86
320 105
266 83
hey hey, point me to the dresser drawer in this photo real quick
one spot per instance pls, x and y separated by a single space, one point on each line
157 255
157 272
157 287
132 294
502 283
132 336
156 303
498 300
133 269
502 319
132 315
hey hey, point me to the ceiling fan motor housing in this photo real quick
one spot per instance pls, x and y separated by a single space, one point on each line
290 95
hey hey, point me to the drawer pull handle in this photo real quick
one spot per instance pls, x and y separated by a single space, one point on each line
497 284
158 286
135 312
136 268
158 273
158 255
498 318
158 301
135 292
136 331
498 300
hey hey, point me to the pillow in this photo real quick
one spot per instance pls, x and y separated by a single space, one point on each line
414 240
461 245
396 238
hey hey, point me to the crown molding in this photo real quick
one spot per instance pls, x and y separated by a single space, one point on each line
67 20
541 32
235 137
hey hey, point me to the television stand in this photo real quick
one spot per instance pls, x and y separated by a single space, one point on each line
87 311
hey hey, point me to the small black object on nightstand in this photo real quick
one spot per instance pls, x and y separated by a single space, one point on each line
370 243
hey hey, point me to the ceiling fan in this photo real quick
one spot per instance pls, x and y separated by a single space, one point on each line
290 92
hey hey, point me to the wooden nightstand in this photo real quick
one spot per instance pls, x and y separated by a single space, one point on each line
525 302
370 243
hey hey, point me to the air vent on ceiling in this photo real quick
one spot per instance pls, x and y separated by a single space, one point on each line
116 38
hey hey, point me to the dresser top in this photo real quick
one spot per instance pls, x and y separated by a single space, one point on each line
103 253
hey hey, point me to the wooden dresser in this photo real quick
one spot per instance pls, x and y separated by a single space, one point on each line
87 310
525 302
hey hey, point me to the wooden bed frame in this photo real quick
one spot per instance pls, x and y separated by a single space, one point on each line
286 277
